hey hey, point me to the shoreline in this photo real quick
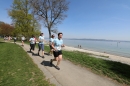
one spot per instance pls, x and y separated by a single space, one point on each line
111 57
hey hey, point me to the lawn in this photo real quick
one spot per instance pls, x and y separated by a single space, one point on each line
18 69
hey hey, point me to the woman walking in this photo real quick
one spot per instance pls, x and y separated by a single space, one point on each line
41 44
32 43
57 52
50 43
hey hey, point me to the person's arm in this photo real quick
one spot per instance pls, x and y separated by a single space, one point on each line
30 39
53 43
62 44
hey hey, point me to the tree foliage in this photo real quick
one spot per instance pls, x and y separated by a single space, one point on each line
6 29
52 12
23 21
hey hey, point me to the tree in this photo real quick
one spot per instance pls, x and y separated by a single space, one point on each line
52 12
6 29
22 18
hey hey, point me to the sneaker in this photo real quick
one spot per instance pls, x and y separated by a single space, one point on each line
51 62
57 68
43 57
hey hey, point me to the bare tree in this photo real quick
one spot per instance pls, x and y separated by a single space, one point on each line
52 12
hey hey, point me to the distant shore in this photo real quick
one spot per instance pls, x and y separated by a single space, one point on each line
111 57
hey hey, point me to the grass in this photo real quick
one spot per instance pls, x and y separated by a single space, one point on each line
115 70
18 69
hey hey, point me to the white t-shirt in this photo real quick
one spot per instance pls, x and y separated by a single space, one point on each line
32 40
41 39
23 38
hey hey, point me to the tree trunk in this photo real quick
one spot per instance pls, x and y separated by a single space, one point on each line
49 33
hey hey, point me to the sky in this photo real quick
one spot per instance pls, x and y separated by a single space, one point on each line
91 19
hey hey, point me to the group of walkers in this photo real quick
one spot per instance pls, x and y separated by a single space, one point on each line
55 44
7 38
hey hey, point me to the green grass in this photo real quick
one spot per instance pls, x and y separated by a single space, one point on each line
18 69
115 70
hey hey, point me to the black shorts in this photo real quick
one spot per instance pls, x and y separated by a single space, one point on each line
32 46
57 53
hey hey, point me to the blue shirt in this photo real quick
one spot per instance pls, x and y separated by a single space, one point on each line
58 43
51 40
41 39
32 40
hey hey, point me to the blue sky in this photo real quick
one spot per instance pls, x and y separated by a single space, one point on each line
96 19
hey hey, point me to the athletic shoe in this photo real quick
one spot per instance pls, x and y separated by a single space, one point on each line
57 68
43 57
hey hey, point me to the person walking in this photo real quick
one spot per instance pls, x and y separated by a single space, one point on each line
15 39
22 39
35 41
32 43
57 52
41 44
50 43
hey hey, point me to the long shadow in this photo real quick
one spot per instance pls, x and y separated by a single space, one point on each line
46 63
2 42
33 54
46 53
29 52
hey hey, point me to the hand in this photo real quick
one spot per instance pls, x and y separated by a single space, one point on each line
63 45
55 49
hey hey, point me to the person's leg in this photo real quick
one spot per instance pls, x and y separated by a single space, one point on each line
55 57
30 47
59 60
42 46
14 40
33 48
51 50
39 45
23 42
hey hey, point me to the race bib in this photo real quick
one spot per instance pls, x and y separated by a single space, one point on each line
59 48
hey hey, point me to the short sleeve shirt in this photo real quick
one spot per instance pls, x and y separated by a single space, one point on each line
41 39
58 43
51 40
23 38
32 40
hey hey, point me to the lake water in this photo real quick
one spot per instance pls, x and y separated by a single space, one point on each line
121 48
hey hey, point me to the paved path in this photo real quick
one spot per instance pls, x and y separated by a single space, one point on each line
69 74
